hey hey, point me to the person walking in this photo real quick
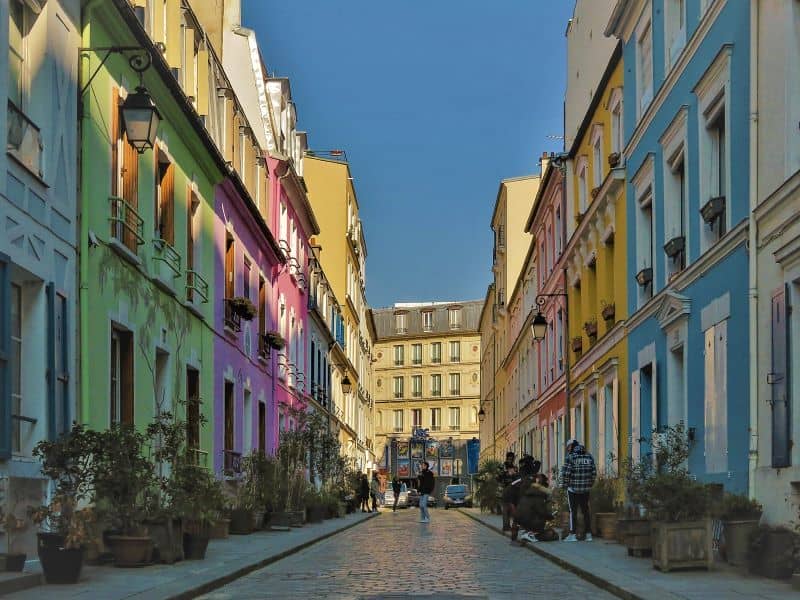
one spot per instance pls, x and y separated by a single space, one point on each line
426 485
396 488
374 491
506 476
577 477
364 493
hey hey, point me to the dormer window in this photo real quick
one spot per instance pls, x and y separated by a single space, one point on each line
427 320
401 322
454 317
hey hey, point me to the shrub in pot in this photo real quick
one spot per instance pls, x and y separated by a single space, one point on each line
603 499
243 307
11 524
124 479
199 500
740 517
487 486
67 462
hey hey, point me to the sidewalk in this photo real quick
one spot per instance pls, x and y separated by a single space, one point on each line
225 561
607 565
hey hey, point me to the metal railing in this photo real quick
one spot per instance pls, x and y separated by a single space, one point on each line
196 284
168 255
24 139
197 457
126 224
231 318
232 461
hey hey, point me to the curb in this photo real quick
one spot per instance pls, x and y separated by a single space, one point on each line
582 573
217 583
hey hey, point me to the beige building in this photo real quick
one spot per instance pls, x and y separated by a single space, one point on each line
427 373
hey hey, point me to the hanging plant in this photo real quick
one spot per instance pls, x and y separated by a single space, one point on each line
275 340
243 307
591 328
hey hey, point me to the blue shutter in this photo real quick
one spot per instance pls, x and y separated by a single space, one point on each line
779 381
5 349
51 361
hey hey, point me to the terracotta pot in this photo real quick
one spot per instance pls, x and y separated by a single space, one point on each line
131 551
59 564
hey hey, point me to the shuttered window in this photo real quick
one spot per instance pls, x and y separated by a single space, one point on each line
778 380
5 342
716 398
165 201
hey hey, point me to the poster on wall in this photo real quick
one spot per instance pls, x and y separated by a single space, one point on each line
446 449
432 450
403 468
433 465
417 449
402 449
446 467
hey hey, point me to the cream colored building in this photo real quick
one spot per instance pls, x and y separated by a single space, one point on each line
427 372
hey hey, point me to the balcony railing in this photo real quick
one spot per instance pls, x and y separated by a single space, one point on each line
263 346
417 394
398 362
416 361
436 359
455 427
168 255
232 320
436 392
398 394
397 429
195 284
232 461
197 457
455 359
126 224
24 140
455 391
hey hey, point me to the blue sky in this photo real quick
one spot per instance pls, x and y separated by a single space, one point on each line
435 101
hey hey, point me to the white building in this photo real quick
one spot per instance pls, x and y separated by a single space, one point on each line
38 256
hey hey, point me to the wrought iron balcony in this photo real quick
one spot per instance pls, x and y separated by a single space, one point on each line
126 224
197 457
196 285
231 319
24 140
166 254
232 461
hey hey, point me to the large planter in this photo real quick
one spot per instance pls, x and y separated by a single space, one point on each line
638 537
773 556
13 562
737 540
195 545
316 513
288 518
167 535
59 564
241 521
606 525
259 520
219 529
682 545
131 550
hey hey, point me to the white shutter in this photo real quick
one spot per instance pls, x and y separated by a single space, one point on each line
721 404
600 404
635 424
654 397
710 435
615 413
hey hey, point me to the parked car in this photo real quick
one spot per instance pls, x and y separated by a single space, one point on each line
457 495
413 498
402 500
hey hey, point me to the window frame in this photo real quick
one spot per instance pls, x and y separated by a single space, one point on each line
644 86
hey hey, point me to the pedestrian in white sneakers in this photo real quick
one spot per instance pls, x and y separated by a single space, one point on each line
426 485
577 477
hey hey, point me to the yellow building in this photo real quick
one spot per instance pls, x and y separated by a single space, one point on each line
426 375
486 415
596 275
343 254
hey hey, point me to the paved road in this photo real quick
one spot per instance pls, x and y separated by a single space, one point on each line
394 557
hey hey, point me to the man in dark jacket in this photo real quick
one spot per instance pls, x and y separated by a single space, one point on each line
577 477
396 487
505 478
426 485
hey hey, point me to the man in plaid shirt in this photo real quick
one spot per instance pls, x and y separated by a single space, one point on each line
577 476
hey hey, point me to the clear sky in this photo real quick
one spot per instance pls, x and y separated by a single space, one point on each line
435 101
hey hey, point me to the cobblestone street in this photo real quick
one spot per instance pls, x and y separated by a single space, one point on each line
394 556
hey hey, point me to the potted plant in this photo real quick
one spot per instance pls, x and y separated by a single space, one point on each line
608 311
487 489
604 494
199 499
315 506
242 509
633 526
67 462
275 340
124 478
740 517
590 327
577 344
771 552
244 307
11 525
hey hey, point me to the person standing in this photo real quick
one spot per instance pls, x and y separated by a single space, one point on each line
505 478
426 485
396 488
374 491
364 493
577 477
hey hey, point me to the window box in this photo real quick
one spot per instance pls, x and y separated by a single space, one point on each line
645 276
675 246
613 159
243 307
590 327
577 344
609 312
713 209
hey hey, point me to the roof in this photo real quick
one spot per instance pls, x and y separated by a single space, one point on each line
503 182
385 320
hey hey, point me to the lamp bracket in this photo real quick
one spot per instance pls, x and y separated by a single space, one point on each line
140 60
541 299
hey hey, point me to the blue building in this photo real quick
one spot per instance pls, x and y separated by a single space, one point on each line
686 98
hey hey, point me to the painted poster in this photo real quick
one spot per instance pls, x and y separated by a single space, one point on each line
432 450
433 465
446 449
447 467
403 468
417 449
415 468
402 449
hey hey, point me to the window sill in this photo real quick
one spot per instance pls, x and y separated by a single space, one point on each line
192 307
125 252
18 161
164 285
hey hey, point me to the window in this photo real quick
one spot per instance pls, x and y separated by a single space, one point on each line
675 29
643 192
583 191
558 233
283 227
121 376
674 151
228 432
399 355
397 420
427 320
400 325
455 351
436 419
15 366
615 106
436 352
192 408
262 310
126 224
716 398
436 385
192 230
455 384
246 279
780 392
455 418
262 427
644 65
165 200
560 339
454 317
416 417
416 354
416 386
597 156
17 32
398 387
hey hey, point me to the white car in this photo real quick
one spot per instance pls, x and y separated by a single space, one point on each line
402 500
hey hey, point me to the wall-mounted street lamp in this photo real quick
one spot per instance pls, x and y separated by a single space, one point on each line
481 415
139 113
347 385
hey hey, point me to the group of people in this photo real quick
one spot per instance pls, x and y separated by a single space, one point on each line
368 490
371 490
526 495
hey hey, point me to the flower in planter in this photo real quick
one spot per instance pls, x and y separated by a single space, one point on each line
591 328
243 307
577 344
608 311
275 340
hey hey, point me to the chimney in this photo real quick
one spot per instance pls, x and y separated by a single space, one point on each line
544 161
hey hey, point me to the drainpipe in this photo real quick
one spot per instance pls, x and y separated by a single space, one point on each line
752 254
